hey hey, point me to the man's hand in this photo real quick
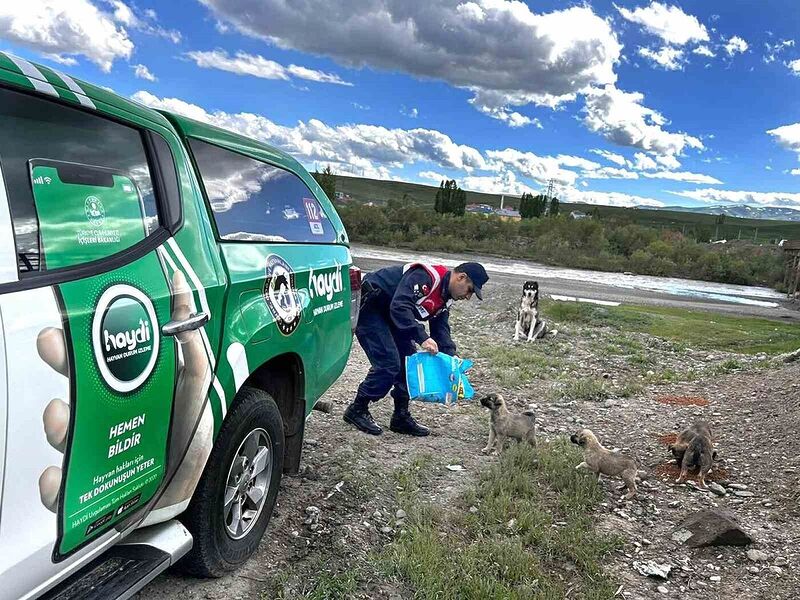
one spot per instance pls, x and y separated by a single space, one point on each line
430 345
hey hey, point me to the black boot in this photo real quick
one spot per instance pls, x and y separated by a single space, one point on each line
403 422
358 416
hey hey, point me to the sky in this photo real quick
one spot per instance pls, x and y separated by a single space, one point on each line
621 103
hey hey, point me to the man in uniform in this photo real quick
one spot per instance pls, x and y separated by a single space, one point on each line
393 301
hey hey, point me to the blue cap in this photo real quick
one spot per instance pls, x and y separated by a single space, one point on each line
477 275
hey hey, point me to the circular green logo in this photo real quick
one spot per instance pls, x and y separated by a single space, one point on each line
126 337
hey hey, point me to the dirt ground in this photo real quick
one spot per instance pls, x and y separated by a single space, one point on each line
340 513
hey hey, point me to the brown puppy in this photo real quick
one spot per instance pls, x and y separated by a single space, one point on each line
694 447
601 461
504 424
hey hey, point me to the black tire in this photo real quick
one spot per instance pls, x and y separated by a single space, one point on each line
214 552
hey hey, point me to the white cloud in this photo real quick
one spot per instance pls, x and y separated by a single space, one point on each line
787 136
539 168
512 118
610 173
65 29
712 196
577 162
146 22
610 156
258 66
736 45
142 72
606 198
370 149
642 162
669 23
773 50
667 57
505 182
412 113
684 176
668 161
360 106
795 172
704 51
794 66
621 118
433 176
503 52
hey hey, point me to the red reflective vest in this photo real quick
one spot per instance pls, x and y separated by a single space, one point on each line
432 303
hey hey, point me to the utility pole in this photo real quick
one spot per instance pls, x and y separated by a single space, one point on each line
549 196
755 236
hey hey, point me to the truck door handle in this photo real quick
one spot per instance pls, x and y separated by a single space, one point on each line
194 321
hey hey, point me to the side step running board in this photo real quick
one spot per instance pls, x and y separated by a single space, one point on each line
127 567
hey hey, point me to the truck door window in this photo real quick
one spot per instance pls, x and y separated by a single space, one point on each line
79 185
255 201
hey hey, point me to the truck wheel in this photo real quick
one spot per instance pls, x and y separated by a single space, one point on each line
234 499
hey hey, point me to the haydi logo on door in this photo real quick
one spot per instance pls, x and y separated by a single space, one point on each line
125 337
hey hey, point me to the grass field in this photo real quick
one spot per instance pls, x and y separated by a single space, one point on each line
760 230
525 531
697 329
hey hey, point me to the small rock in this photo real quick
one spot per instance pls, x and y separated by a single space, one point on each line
776 570
743 494
737 486
781 561
717 489
753 570
711 527
455 467
650 373
400 514
651 568
473 509
386 529
377 514
662 590
715 578
511 524
757 555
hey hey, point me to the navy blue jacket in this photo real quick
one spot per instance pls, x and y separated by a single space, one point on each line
400 292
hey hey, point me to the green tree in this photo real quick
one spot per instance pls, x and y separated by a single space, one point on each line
539 205
459 204
327 181
438 204
554 206
527 206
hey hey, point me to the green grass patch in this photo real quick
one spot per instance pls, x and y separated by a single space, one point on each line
521 364
530 534
696 329
586 389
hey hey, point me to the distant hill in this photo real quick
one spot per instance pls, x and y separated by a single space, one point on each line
760 224
744 212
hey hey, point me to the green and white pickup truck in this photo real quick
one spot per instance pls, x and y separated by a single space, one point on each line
174 298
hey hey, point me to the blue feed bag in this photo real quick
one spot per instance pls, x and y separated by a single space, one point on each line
437 378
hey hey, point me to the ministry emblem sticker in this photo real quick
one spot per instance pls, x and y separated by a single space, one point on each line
280 294
125 337
95 211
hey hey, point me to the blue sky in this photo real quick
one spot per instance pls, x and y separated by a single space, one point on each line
620 103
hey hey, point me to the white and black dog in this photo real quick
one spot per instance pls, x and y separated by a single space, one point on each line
528 322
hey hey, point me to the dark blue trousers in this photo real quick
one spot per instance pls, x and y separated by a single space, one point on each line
386 349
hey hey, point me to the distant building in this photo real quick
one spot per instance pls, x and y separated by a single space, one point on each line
508 214
482 209
576 214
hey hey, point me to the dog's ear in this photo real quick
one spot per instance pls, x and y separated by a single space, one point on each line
536 285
